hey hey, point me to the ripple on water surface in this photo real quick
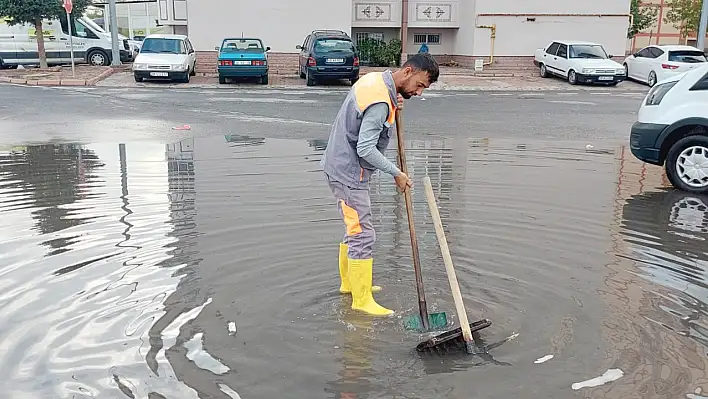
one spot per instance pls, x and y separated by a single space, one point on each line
208 268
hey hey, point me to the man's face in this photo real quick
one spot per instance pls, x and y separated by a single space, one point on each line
414 82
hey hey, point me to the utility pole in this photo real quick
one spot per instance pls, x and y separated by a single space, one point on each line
115 61
701 42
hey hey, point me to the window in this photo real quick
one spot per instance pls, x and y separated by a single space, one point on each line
361 36
426 38
242 45
687 56
645 53
656 52
154 45
78 29
563 51
332 45
587 51
553 48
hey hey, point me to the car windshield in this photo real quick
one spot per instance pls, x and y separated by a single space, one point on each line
333 46
687 56
154 45
232 45
587 51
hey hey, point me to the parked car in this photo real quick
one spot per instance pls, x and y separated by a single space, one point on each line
242 58
672 129
92 45
165 57
654 63
328 54
578 62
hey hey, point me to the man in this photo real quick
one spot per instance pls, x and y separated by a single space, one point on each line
360 134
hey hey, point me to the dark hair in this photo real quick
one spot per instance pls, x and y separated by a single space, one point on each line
424 62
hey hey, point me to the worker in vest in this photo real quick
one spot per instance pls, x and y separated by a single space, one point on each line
359 136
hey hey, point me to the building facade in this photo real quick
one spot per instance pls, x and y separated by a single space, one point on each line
660 32
458 29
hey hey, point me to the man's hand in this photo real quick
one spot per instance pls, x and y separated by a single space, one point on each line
400 102
403 182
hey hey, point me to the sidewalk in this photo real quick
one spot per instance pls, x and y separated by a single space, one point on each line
454 82
58 76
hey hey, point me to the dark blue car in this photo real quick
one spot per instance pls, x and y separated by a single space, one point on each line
242 58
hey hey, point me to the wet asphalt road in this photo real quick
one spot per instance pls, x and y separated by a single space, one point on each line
106 114
141 261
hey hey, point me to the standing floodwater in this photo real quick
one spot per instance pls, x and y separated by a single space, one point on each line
207 267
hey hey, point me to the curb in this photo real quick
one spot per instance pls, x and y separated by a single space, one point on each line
60 82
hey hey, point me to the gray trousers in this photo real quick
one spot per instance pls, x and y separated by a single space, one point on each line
354 207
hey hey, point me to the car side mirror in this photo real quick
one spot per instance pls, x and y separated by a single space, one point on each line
267 48
191 51
299 47
216 48
610 56
635 55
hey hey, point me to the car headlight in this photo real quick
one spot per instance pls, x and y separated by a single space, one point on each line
139 66
620 71
588 71
657 93
178 67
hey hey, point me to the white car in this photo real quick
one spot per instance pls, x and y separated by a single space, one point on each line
166 57
672 129
654 63
578 62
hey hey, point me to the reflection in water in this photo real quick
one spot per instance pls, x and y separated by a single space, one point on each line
208 268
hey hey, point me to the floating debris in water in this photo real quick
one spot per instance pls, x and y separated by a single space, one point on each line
232 328
544 359
609 376
203 360
227 390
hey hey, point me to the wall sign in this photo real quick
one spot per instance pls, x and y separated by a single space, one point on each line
372 12
433 12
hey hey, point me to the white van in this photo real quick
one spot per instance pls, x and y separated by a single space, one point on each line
18 43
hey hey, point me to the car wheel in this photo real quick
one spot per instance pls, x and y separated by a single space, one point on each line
572 78
310 80
687 164
222 80
626 71
97 58
302 74
354 80
652 79
186 77
264 79
194 71
137 78
544 71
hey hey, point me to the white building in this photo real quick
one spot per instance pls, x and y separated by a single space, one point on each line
459 29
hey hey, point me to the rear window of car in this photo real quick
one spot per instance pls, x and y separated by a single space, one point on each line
687 56
242 45
332 45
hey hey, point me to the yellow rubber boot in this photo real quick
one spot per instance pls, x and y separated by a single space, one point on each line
345 287
360 275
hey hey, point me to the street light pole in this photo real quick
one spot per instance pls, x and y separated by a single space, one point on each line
701 42
115 61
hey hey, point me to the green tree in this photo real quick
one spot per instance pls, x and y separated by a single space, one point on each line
684 15
33 12
643 17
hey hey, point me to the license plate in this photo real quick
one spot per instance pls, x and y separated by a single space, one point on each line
335 60
242 62
606 77
163 74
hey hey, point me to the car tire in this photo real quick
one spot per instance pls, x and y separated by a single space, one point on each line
354 80
652 79
572 78
264 79
678 163
137 78
97 58
543 71
302 74
222 80
310 80
194 71
626 70
186 77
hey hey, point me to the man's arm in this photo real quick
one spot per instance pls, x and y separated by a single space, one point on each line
371 127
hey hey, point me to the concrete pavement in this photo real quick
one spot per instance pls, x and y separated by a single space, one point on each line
117 114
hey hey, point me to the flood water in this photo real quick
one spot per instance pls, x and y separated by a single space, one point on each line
208 268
